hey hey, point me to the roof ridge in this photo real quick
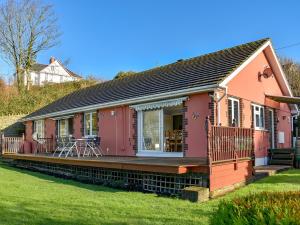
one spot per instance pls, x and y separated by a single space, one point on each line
263 40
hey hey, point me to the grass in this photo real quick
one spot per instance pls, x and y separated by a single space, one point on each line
33 198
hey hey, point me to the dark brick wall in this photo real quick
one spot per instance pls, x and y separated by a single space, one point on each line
212 108
184 127
134 141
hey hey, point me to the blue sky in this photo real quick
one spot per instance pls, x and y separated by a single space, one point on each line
104 37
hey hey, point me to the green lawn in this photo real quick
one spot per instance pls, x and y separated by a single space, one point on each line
33 198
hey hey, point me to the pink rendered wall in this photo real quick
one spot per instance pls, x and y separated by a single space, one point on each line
118 134
197 111
116 131
247 86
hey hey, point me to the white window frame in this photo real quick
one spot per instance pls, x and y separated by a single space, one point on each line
232 110
90 132
39 128
258 127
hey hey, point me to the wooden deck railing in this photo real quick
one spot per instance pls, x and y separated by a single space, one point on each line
229 143
11 145
44 145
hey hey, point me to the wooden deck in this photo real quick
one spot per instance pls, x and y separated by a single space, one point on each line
147 164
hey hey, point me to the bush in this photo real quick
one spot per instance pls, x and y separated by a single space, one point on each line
264 208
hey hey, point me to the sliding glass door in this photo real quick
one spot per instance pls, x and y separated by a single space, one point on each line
150 130
160 131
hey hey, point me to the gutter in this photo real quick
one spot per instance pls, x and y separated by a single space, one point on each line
137 100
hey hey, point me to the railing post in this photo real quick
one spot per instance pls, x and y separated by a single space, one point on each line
2 144
252 147
208 132
23 143
52 147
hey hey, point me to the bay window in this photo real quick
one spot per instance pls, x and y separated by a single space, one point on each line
90 124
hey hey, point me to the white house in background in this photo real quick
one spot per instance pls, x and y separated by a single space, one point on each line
54 72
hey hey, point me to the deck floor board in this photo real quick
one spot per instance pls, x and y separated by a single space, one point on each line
151 164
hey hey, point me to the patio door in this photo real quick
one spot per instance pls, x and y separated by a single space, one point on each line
271 128
150 130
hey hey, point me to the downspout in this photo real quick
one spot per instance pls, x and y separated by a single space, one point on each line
217 100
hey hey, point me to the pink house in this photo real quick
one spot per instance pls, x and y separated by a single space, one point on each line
209 117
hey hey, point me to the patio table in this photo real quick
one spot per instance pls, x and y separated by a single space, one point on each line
84 146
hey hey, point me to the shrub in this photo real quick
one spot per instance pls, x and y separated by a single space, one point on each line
270 208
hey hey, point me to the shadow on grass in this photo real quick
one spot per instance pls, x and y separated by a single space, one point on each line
23 215
291 176
70 182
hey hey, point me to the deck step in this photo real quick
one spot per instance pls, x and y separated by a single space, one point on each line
281 162
282 156
282 151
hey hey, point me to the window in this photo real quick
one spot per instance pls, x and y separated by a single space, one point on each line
233 112
39 128
63 128
258 113
36 79
90 124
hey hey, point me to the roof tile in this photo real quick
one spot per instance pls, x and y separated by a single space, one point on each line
199 71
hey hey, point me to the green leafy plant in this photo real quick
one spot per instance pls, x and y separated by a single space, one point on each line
270 208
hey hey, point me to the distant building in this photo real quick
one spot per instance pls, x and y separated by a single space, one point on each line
54 72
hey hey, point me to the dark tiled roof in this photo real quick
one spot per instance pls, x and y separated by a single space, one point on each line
37 67
209 69
72 73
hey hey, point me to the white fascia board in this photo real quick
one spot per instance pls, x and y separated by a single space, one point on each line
284 78
281 71
244 64
148 98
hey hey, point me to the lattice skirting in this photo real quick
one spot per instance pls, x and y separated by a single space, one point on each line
168 184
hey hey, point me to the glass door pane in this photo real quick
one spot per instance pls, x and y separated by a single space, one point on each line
87 124
63 128
151 135
94 124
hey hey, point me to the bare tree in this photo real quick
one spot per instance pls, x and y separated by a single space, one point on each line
27 27
292 71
